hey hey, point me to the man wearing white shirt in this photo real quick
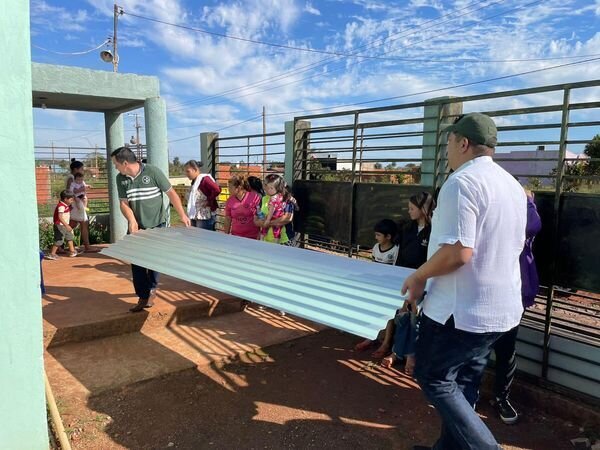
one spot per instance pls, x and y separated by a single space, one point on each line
473 280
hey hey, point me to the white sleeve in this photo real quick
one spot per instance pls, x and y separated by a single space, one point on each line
457 213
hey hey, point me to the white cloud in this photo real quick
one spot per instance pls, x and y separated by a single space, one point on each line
309 8
194 66
56 18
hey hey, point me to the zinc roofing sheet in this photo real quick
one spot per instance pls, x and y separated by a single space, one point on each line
347 294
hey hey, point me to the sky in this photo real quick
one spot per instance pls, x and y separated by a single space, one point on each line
211 82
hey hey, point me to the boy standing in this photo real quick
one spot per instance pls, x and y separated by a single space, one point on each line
62 230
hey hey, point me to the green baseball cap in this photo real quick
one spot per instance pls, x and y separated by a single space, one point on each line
476 127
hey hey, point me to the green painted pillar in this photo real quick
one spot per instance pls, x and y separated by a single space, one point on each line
209 152
157 146
155 116
437 116
294 148
23 411
113 124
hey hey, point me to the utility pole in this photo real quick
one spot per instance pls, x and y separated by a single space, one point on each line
264 120
117 11
136 140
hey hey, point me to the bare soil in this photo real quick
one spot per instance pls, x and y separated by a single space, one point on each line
315 392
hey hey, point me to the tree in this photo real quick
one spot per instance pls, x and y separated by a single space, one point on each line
176 168
592 150
378 166
535 183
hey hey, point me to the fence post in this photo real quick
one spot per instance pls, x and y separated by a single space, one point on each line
562 150
353 182
296 146
436 116
209 152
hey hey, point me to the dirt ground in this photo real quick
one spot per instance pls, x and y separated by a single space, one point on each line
315 392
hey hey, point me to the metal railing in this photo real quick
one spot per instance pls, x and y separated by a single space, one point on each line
541 133
251 155
52 168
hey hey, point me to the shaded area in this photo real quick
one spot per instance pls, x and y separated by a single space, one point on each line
89 368
310 393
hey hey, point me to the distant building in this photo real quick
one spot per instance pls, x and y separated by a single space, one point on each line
540 163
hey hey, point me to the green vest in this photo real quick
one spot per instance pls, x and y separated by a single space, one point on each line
144 193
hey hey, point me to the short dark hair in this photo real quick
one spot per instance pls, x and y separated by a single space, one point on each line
124 154
65 195
386 227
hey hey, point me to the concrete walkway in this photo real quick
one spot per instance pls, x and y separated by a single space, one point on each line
89 296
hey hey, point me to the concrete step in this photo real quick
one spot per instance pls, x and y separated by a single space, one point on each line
81 370
88 297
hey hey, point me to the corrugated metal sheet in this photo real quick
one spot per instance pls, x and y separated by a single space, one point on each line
347 294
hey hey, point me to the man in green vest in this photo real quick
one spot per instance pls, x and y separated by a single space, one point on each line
141 187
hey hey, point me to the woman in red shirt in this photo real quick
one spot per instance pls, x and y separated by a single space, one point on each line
240 209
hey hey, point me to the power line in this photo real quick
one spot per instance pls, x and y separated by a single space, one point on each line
219 129
373 44
358 62
237 38
71 53
431 91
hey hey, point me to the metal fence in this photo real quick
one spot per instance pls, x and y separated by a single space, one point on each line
353 168
251 155
343 158
52 168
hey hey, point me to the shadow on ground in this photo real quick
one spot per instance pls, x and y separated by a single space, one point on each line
310 393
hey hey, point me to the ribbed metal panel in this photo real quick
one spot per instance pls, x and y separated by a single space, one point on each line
350 295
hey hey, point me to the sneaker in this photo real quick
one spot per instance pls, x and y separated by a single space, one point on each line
73 254
51 257
282 313
508 414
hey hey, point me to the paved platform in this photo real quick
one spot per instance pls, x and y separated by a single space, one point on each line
80 370
89 297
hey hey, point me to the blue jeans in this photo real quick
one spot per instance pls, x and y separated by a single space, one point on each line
208 224
449 366
144 280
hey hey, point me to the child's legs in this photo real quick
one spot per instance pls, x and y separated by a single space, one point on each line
389 333
85 233
68 236
58 239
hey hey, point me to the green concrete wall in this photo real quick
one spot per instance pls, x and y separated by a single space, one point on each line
22 410
113 125
90 90
157 147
